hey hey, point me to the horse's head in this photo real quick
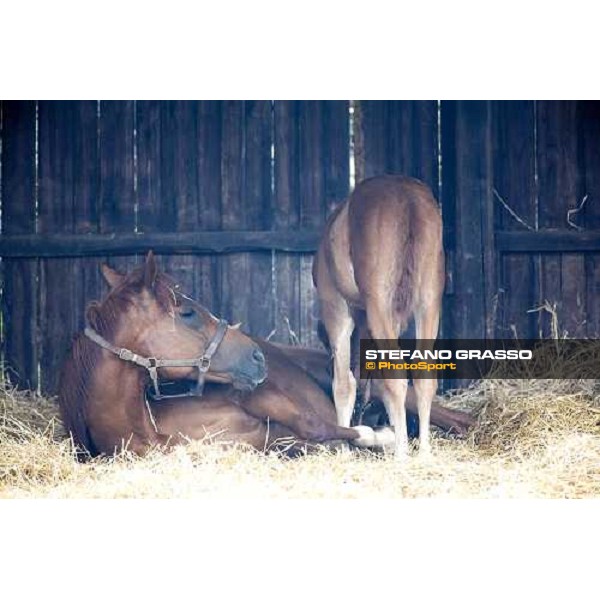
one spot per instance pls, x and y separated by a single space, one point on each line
156 320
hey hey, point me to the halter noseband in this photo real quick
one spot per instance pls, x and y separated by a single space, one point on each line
151 364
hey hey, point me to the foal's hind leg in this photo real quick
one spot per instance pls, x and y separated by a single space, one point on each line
383 326
426 322
338 321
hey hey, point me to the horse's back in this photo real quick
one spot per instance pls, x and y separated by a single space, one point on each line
383 242
384 211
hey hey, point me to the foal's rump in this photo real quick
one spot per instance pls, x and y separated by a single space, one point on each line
393 243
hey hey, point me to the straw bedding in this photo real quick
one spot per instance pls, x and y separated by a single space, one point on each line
532 439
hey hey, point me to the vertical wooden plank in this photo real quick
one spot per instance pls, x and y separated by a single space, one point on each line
235 272
179 182
401 137
560 190
425 141
312 209
448 201
589 131
398 129
311 177
336 159
468 187
323 182
514 181
286 216
117 181
358 141
207 272
86 280
148 127
246 281
258 201
56 215
20 310
374 133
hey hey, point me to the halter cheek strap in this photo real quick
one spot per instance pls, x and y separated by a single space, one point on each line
151 364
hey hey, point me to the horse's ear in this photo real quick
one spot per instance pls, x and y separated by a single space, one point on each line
150 270
92 315
112 277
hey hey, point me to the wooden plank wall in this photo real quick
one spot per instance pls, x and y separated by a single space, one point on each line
546 160
122 167
543 158
470 307
311 174
589 138
20 310
515 185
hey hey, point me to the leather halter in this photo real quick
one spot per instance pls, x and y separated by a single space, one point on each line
151 364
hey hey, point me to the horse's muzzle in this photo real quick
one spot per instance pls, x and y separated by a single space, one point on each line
252 374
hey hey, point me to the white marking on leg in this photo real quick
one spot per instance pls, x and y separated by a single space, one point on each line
367 438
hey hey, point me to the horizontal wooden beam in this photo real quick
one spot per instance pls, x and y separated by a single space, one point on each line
222 242
201 242
548 241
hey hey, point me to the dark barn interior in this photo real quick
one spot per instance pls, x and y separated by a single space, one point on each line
233 196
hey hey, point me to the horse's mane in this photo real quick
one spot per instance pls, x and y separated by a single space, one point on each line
76 374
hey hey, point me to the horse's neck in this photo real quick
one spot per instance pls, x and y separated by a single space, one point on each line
117 411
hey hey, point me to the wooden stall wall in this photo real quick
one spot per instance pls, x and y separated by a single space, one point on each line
20 306
196 178
545 171
165 167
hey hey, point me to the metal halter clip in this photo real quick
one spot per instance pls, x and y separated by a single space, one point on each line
126 354
153 371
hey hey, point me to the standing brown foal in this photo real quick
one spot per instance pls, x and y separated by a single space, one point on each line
381 254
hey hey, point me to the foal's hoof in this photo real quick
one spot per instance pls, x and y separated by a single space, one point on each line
367 437
401 454
424 453
386 438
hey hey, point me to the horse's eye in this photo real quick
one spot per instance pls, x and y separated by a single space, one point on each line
186 312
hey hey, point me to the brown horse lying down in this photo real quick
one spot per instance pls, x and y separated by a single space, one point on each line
102 384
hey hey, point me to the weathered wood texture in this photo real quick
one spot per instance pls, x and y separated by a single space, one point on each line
467 194
311 175
560 190
515 185
589 216
234 196
512 171
399 137
20 297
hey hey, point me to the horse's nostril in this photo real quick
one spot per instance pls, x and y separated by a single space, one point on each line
258 356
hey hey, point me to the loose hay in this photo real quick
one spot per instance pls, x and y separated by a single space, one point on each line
528 442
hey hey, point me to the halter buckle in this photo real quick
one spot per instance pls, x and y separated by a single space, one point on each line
126 354
204 364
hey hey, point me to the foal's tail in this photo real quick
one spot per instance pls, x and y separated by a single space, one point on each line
419 256
406 291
